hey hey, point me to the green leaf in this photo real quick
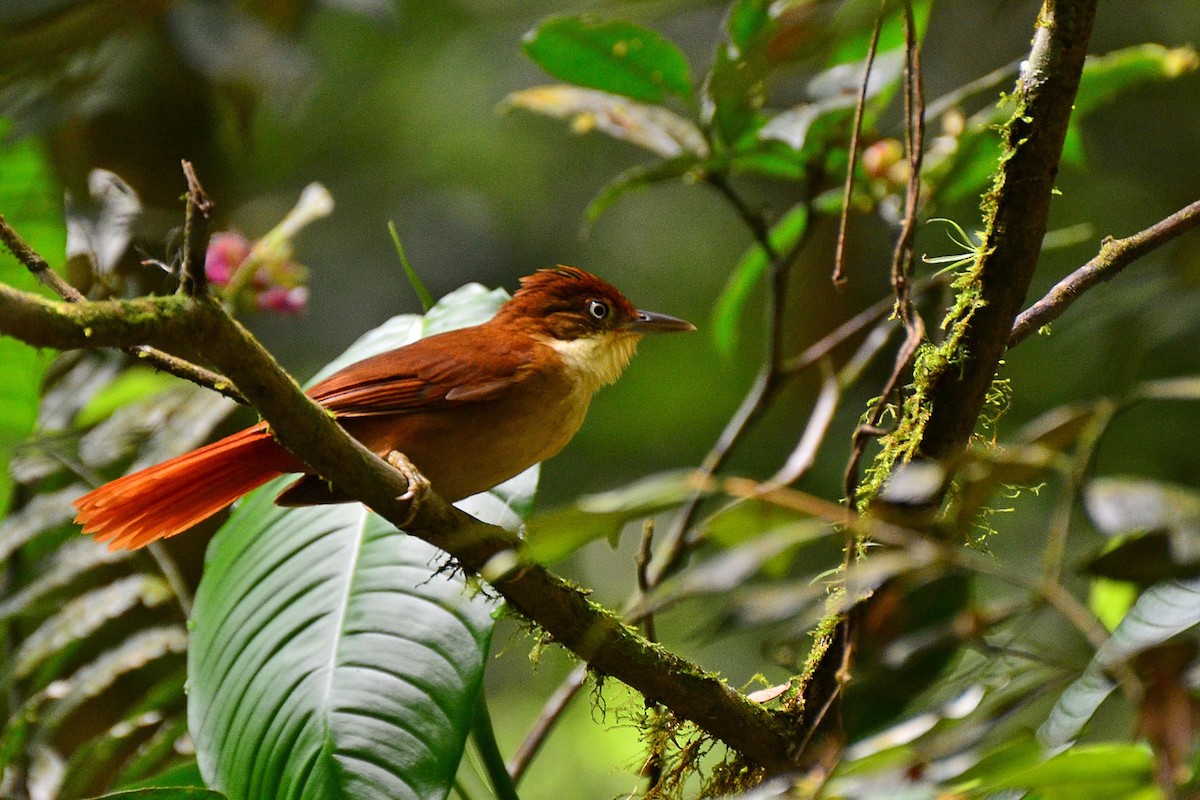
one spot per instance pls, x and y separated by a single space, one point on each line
133 385
31 201
1094 772
734 92
654 128
1161 612
165 793
328 659
1104 77
769 157
783 236
635 179
746 22
331 656
613 56
556 534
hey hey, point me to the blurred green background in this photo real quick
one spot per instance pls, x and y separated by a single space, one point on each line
393 106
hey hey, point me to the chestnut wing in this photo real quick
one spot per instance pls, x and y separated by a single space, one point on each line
459 366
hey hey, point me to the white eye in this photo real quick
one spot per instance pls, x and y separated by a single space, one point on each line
597 309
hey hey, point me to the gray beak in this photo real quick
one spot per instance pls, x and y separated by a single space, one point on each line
650 322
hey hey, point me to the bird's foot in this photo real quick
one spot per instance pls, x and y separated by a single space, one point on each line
418 484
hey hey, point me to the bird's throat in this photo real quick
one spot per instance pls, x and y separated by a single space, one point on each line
596 361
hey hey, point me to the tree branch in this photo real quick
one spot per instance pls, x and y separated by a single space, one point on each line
959 375
1114 256
595 634
156 358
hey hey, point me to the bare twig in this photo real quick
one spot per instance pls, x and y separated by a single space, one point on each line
1114 256
839 256
551 713
36 264
902 256
193 278
644 584
174 577
989 81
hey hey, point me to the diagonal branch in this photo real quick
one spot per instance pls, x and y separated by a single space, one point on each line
1114 256
565 612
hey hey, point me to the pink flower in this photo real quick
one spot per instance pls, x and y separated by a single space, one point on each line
282 300
226 251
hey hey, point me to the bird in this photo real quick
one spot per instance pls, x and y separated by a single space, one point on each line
469 408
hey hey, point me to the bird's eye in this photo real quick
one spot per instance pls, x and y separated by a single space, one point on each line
597 309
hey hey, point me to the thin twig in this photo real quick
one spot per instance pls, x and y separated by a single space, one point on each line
36 264
644 584
839 256
193 279
902 256
821 348
174 577
1114 256
551 713
989 81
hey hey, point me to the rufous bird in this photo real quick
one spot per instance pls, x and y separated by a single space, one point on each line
470 408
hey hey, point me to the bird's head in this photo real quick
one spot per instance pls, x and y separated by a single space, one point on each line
592 326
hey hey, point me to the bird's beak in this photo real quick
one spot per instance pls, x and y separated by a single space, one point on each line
650 322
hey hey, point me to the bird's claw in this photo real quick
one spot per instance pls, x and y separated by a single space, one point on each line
418 484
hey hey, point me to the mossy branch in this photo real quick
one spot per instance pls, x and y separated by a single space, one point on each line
1114 256
952 380
187 324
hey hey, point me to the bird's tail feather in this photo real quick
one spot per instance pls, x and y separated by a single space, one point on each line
171 497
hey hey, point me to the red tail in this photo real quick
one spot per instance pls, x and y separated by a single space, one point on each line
169 498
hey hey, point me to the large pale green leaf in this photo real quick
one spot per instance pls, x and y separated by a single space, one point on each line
328 660
331 657
610 55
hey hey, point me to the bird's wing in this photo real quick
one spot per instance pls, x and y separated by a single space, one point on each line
442 370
